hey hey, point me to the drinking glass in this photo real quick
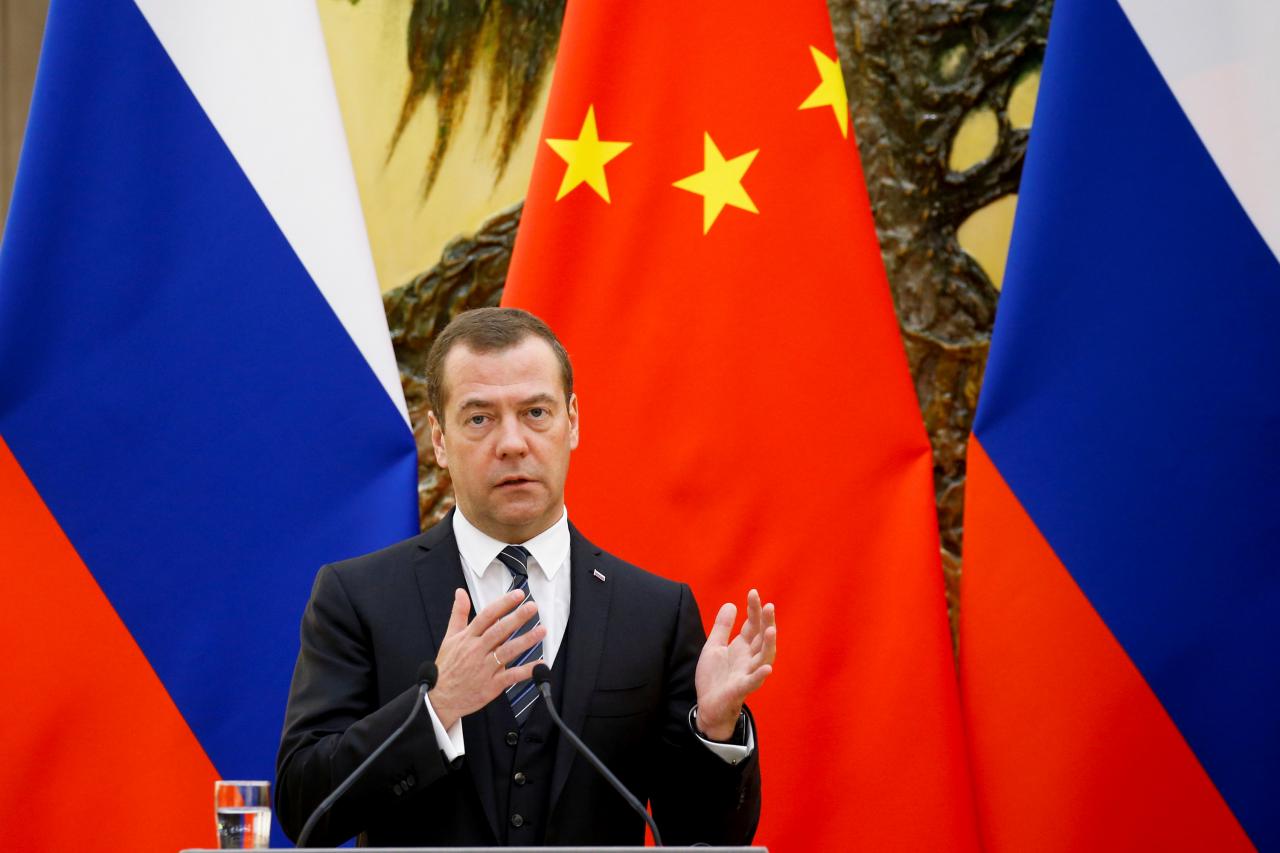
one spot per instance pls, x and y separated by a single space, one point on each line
243 811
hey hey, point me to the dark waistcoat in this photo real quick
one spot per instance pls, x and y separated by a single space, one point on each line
523 761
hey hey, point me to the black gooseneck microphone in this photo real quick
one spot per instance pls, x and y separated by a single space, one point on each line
542 678
427 675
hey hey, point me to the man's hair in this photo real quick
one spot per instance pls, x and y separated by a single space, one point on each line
488 330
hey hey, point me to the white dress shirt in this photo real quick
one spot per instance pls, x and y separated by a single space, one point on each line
489 579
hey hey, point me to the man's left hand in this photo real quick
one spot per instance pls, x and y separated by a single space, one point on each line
730 670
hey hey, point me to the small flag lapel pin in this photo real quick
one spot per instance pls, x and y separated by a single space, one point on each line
597 573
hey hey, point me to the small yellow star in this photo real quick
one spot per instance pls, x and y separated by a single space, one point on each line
586 156
831 91
719 183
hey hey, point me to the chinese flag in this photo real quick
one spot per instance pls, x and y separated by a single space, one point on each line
698 232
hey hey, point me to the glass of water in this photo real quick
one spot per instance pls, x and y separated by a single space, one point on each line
243 811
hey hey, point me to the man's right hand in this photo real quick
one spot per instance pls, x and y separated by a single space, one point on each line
473 657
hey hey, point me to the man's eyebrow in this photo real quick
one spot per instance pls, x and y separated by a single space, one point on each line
542 398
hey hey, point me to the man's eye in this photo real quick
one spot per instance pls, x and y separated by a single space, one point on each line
477 420
537 412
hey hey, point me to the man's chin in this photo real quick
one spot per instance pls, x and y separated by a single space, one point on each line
527 520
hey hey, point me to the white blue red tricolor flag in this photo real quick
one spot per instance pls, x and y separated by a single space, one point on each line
1120 637
199 405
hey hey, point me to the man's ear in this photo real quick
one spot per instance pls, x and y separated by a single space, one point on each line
437 441
573 421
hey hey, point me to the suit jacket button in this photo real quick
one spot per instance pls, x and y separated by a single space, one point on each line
519 778
410 781
398 788
513 738
517 821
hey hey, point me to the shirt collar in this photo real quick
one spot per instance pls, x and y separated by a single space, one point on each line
479 550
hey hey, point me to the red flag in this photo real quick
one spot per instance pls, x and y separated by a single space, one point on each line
698 232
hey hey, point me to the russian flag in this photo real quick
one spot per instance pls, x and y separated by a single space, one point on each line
1120 645
199 405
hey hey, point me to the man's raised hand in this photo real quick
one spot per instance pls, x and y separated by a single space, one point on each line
473 657
730 670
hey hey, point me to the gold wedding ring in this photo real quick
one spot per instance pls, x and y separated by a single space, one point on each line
498 661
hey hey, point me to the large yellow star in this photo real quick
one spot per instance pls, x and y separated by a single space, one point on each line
586 156
831 91
720 182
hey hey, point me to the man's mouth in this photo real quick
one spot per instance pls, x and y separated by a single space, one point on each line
512 482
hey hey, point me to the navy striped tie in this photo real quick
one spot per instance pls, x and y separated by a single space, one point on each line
521 695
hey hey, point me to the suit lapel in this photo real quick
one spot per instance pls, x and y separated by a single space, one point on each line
588 620
439 573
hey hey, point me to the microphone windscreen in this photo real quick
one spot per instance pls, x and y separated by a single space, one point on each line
428 673
541 674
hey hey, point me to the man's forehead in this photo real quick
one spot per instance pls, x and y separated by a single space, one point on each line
524 372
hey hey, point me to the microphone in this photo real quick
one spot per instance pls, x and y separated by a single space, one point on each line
427 675
542 678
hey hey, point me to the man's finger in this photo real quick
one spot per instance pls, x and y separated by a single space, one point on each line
764 621
458 617
753 625
517 646
723 626
486 618
770 633
768 649
755 680
771 642
747 683
502 630
517 674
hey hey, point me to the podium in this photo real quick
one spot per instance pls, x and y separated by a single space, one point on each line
498 849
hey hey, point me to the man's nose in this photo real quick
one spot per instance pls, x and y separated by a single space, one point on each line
511 438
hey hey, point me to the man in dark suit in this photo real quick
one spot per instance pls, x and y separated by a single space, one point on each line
632 671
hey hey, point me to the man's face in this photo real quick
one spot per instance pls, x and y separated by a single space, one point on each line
506 436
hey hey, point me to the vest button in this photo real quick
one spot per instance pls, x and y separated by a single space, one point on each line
519 778
517 821
513 738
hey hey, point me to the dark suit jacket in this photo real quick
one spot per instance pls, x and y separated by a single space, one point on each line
632 646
